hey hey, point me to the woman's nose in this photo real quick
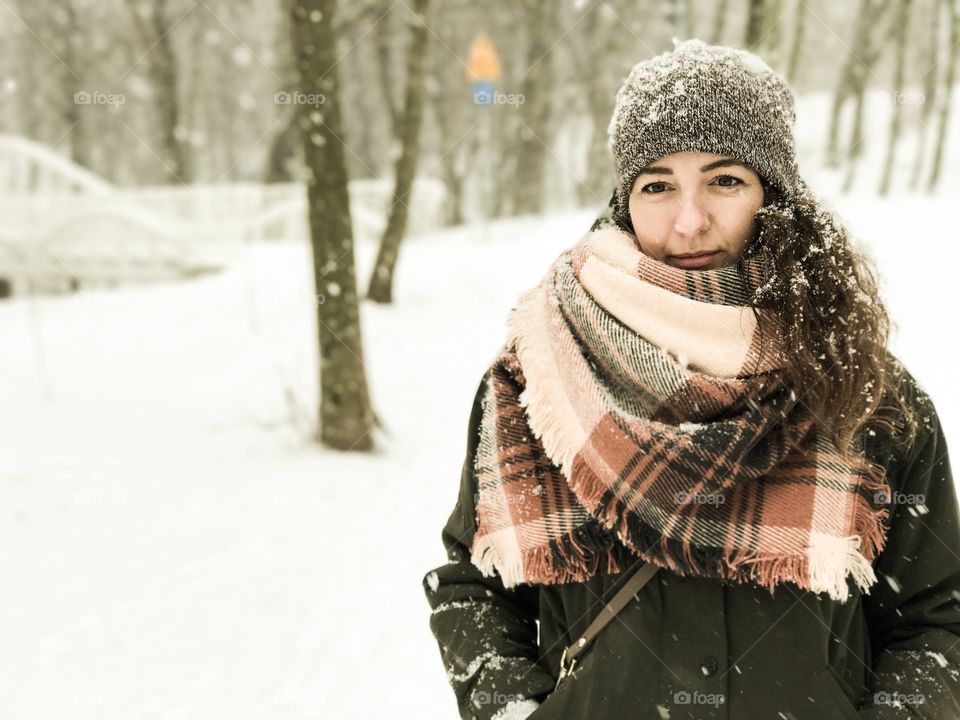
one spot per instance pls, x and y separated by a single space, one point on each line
692 217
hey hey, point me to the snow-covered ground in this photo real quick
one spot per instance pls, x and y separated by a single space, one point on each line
174 546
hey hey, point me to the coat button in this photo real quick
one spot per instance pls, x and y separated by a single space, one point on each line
709 666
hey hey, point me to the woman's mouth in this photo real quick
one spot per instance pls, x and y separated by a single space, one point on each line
694 262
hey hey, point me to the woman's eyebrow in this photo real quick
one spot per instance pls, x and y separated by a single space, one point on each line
661 170
723 163
654 170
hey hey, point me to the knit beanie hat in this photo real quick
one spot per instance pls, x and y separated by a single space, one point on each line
704 98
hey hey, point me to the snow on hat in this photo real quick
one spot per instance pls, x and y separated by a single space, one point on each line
704 98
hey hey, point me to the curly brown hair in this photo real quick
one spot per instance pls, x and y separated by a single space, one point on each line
822 301
833 326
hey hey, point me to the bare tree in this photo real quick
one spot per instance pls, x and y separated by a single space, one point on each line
606 31
754 30
534 114
381 281
946 95
345 414
286 143
69 28
58 30
929 79
796 47
896 116
153 27
852 84
771 44
386 70
451 107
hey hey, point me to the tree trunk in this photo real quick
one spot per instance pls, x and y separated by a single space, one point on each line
770 43
154 32
285 145
163 71
799 31
283 148
867 51
602 48
853 83
946 95
69 31
896 116
381 281
931 65
534 113
385 76
345 416
449 101
755 12
840 97
455 161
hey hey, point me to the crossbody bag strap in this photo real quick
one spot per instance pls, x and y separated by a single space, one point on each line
608 612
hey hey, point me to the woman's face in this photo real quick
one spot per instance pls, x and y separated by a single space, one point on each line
694 210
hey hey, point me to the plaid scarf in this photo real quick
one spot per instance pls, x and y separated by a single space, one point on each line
635 410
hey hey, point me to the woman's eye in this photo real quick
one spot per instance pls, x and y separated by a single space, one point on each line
654 187
722 181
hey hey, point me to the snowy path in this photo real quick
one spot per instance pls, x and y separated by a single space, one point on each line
172 545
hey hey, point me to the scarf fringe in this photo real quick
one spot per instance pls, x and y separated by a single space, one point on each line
578 558
558 437
817 571
490 562
870 522
572 559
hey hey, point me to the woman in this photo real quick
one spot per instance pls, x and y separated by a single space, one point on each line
701 386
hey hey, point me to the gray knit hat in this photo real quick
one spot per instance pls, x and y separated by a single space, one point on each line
704 98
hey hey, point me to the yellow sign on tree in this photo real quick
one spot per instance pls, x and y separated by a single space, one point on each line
483 64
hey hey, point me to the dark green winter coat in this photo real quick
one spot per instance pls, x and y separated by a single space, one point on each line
695 648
